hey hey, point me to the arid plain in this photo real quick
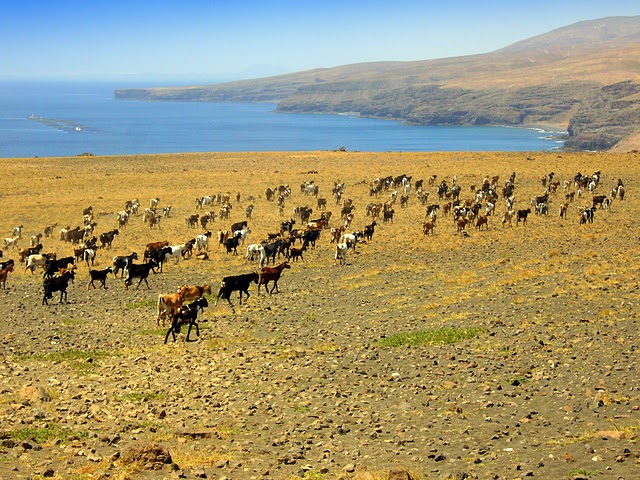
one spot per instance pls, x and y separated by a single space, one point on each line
537 375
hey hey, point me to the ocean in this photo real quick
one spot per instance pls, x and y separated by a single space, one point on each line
47 119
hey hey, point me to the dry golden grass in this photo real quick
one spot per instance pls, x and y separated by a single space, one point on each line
544 292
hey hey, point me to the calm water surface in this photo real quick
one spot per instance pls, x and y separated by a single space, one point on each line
62 119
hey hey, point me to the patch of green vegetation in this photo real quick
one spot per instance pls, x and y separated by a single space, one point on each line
156 332
68 355
584 472
50 433
300 408
140 397
439 336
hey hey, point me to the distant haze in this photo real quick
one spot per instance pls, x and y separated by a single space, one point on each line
216 41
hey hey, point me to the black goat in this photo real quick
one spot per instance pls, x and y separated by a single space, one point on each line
53 265
232 243
159 255
140 271
270 250
186 315
107 238
57 284
100 275
234 283
121 263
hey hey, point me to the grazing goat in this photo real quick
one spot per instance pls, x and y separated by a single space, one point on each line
269 251
121 263
167 302
52 266
351 239
482 220
254 251
4 273
271 274
106 239
429 227
57 284
202 241
186 315
193 292
341 253
11 242
368 230
522 215
231 244
99 275
506 218
89 255
34 261
295 253
140 271
240 283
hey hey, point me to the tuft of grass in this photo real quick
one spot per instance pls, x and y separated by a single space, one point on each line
43 435
584 472
73 355
440 336
140 397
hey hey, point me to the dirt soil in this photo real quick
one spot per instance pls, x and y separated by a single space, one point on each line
298 384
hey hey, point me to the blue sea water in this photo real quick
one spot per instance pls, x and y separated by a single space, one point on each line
69 118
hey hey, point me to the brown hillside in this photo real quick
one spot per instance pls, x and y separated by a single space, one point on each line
567 68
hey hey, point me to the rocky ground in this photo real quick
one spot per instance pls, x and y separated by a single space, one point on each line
299 384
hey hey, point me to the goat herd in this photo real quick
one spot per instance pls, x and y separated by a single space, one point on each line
476 210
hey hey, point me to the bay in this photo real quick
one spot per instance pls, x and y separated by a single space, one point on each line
70 118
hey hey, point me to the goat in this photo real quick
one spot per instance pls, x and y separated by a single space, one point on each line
271 274
57 284
193 292
231 244
234 283
121 263
140 271
368 230
37 260
4 273
506 217
341 253
522 215
429 227
202 241
254 250
310 237
167 302
100 275
269 251
351 239
35 240
89 254
107 238
24 253
11 242
52 266
186 315
482 220
295 253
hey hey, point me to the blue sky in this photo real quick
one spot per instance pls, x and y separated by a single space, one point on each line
233 39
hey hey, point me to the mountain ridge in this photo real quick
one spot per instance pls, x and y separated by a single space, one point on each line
584 77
